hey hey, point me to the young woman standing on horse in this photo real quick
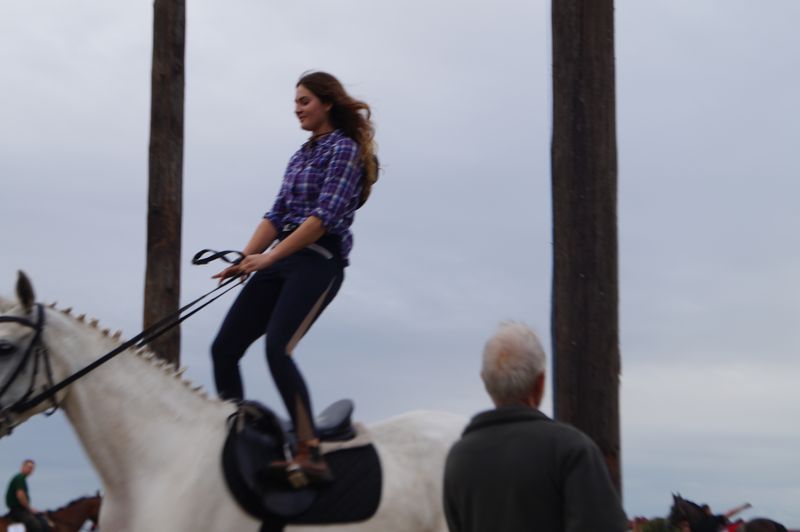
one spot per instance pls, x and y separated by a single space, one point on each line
327 179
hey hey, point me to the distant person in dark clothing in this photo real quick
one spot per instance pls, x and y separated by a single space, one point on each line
517 470
19 502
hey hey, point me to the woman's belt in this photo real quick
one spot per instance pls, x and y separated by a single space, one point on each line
328 245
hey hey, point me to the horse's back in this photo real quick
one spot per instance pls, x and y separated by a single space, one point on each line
417 441
421 430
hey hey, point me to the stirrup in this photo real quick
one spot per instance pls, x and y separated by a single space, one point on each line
299 476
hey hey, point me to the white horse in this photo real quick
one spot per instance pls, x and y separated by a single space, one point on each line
155 440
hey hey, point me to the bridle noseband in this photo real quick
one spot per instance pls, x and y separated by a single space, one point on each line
37 351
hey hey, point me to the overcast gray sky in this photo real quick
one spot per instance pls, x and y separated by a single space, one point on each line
457 234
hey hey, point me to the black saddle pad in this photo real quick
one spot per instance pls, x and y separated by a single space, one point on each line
355 492
256 438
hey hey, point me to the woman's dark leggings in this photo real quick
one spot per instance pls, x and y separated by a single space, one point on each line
282 301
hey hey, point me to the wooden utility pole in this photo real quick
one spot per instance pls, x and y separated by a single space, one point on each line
584 179
165 197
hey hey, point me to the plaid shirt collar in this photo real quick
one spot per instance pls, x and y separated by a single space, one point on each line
323 141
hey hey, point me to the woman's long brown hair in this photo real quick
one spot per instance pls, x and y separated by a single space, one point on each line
352 116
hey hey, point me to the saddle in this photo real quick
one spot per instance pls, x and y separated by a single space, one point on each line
257 437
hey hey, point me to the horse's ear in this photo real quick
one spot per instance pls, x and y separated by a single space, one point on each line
25 291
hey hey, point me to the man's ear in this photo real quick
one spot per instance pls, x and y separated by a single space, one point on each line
538 389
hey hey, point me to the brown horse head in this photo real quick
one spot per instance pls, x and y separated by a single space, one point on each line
72 516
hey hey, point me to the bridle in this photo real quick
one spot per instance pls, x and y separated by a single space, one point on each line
38 351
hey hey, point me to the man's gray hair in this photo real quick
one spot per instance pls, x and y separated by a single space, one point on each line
512 360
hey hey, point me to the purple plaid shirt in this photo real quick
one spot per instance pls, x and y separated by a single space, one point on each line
323 179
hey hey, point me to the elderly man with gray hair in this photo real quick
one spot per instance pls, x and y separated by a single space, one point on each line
515 469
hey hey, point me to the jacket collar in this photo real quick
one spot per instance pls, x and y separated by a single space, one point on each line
504 415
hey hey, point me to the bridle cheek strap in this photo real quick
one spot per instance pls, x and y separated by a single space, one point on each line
34 350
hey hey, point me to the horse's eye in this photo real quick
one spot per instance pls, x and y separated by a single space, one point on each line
7 348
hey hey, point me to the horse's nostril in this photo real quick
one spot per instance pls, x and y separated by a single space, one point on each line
7 348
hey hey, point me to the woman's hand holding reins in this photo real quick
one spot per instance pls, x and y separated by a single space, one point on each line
256 262
248 265
234 270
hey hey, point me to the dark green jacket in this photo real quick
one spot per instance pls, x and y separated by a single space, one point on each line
516 470
17 483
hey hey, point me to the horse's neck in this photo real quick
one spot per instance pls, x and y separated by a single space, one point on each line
129 413
71 517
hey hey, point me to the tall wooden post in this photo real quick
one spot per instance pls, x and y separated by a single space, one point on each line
584 179
165 197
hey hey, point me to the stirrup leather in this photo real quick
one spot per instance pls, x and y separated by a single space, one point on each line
307 467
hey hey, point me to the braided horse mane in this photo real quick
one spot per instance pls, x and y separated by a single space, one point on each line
144 353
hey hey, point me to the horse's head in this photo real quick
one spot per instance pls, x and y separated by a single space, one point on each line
94 509
25 367
684 510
